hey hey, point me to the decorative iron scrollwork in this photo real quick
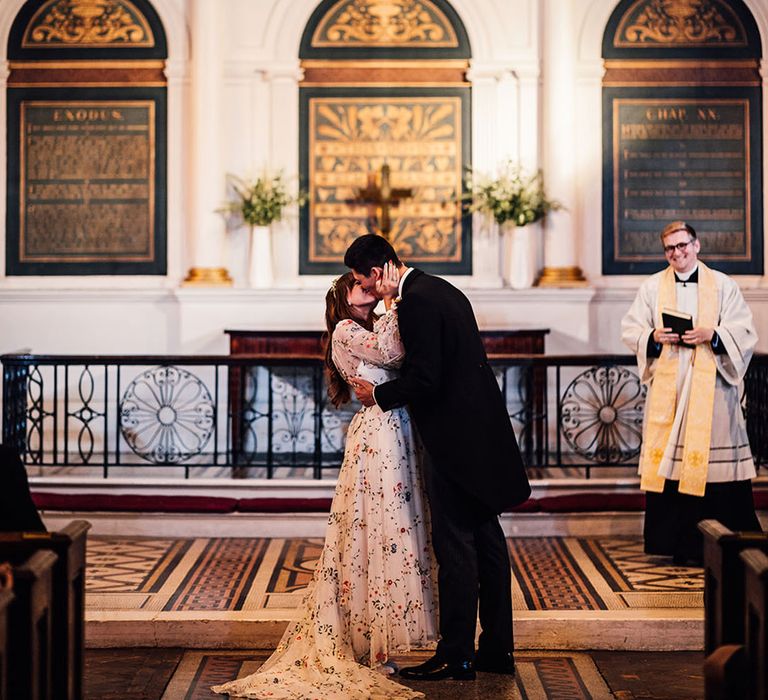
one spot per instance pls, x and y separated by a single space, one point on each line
293 411
86 414
602 414
167 415
36 415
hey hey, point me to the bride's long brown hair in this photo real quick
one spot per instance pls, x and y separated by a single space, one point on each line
337 309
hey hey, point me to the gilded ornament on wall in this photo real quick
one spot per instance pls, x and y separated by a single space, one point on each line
88 23
420 139
650 23
412 23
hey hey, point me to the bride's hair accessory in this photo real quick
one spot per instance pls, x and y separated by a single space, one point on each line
333 284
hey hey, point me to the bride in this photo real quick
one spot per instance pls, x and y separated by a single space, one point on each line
373 594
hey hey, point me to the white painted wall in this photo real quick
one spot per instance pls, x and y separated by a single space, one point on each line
260 74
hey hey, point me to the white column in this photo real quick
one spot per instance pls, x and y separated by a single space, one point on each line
589 165
208 180
529 147
529 99
559 144
178 236
486 156
243 155
282 86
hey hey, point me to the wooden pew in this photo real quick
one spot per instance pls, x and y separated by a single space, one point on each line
756 620
724 582
68 618
725 673
29 629
6 596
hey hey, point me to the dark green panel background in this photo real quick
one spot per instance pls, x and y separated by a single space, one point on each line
156 264
308 267
653 200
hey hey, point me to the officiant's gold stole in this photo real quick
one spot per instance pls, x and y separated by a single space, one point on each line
385 84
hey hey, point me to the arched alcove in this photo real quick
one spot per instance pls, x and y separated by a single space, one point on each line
682 132
385 115
86 112
79 30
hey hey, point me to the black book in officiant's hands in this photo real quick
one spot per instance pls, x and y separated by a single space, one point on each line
678 321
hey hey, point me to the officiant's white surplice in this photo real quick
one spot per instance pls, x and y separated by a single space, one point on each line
730 458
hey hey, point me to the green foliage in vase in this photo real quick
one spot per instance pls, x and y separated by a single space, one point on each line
512 196
261 201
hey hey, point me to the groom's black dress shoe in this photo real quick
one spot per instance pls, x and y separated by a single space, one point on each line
435 669
495 663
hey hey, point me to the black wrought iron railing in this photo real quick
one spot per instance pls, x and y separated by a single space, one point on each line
271 418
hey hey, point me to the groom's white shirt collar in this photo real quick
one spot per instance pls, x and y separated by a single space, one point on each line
408 271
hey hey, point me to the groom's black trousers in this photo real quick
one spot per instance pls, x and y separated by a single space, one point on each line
474 571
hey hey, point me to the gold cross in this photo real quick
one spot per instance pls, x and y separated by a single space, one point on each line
380 197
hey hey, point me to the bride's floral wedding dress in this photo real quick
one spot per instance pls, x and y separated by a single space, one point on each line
373 587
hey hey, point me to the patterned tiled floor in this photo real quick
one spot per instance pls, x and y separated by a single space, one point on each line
239 574
540 676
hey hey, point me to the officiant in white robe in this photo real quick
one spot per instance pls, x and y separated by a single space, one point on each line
695 461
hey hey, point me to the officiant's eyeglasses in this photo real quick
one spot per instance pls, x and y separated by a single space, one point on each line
669 249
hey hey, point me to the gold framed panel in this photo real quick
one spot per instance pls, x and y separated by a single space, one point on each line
421 138
87 181
723 175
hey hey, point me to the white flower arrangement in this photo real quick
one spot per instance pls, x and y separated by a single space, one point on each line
261 201
511 196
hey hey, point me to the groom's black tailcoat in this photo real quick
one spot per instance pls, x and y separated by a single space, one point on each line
475 470
453 394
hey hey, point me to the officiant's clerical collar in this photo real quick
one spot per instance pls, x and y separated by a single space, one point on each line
691 277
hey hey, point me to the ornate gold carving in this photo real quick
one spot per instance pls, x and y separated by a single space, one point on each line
88 23
420 139
410 23
680 23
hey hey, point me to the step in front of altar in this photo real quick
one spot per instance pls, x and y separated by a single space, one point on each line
568 592
635 631
292 508
167 564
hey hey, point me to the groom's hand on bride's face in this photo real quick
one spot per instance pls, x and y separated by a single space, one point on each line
364 391
387 281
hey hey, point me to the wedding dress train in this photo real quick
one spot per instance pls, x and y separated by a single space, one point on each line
373 592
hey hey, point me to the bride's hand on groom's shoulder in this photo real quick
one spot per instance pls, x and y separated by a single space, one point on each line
363 390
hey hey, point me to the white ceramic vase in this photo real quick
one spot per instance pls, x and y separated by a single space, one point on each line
260 258
518 255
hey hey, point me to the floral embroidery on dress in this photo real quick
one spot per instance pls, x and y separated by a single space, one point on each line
380 348
373 592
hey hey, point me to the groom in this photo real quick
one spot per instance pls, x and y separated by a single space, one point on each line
474 471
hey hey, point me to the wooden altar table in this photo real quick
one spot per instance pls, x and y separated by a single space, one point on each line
307 345
528 341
